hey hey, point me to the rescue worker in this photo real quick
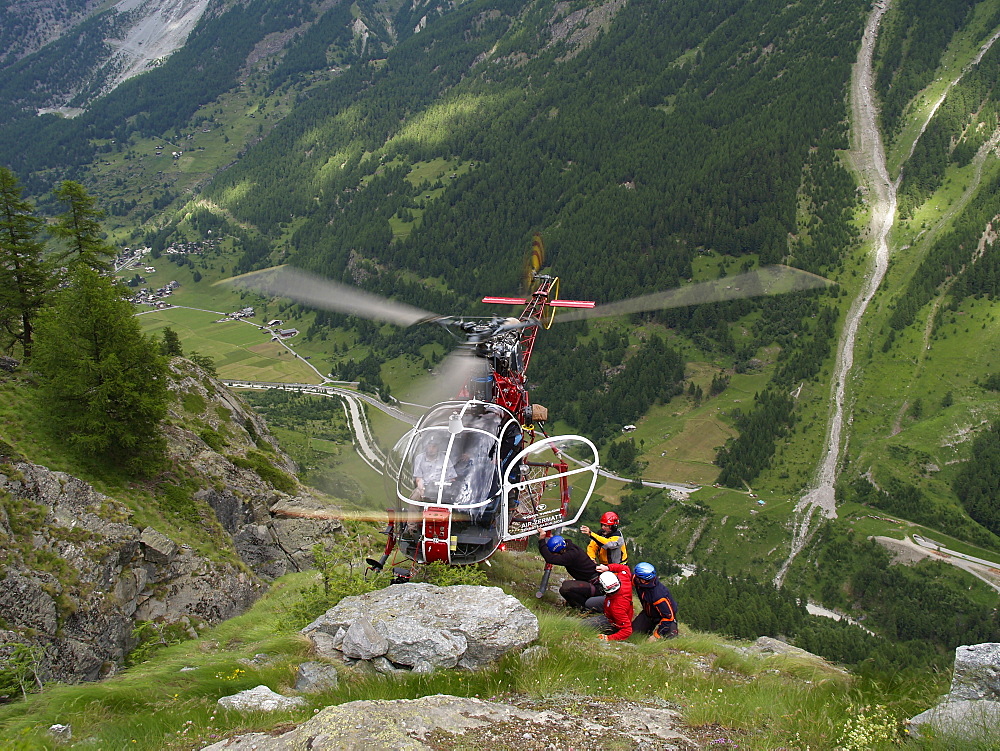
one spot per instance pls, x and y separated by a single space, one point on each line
608 546
616 622
559 551
659 609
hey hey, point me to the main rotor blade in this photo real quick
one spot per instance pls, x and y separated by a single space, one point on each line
453 375
767 280
309 289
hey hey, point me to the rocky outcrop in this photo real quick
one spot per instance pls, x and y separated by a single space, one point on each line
424 627
455 722
77 574
267 535
268 531
971 709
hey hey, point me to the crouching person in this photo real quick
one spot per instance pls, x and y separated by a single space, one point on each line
659 609
559 551
616 583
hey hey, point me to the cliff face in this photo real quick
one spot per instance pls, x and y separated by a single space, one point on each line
78 576
79 571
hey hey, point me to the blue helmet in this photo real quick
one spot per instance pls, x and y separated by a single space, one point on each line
556 544
645 571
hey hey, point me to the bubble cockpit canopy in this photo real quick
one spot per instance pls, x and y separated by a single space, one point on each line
454 456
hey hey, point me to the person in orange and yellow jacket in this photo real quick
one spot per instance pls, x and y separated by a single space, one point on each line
608 546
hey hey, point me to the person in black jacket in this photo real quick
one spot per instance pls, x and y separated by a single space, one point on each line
559 551
659 609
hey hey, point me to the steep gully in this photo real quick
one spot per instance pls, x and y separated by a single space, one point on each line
867 155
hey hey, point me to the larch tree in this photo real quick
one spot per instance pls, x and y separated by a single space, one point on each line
103 383
80 229
25 277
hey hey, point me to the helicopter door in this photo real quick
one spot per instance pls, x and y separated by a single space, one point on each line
557 478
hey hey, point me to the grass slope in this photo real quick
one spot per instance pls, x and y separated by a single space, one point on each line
727 697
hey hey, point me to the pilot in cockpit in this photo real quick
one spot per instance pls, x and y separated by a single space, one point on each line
429 469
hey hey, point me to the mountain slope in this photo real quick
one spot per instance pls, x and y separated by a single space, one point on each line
413 150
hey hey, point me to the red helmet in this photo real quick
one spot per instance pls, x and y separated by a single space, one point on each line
610 518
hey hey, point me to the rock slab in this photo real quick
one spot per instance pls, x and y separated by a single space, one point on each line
434 721
425 627
971 710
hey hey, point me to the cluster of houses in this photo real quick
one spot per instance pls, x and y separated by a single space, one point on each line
239 315
126 256
146 296
194 247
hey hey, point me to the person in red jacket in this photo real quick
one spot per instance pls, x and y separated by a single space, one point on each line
616 623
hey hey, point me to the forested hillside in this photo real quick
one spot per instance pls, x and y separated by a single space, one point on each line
413 151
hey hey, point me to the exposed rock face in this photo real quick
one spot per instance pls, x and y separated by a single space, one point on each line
972 707
977 672
455 722
423 627
137 34
78 575
273 531
268 541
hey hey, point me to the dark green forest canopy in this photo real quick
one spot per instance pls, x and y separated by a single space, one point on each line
685 125
909 50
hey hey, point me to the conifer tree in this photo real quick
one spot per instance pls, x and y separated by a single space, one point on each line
25 277
80 228
171 345
103 383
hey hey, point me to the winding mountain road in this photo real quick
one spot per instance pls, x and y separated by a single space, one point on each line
364 441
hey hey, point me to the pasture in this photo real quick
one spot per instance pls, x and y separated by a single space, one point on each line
241 349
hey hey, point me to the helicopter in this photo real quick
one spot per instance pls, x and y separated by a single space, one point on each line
478 471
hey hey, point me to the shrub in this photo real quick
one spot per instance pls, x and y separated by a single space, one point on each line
259 463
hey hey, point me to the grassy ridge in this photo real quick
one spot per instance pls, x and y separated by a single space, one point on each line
724 696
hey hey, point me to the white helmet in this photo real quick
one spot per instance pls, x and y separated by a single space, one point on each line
610 582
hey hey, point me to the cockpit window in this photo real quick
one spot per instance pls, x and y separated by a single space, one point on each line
453 457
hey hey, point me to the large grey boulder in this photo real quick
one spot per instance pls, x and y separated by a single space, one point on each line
425 626
971 710
977 672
